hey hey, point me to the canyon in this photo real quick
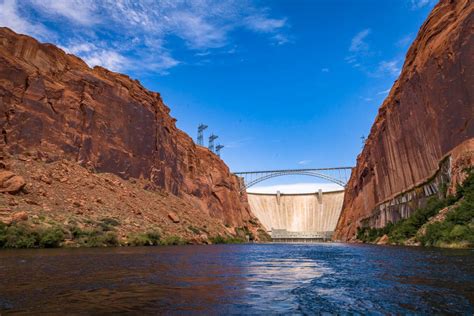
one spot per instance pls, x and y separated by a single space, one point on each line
85 146
66 126
423 136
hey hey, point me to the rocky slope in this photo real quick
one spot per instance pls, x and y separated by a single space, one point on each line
56 107
424 130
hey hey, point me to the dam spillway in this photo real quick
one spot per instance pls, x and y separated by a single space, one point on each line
299 216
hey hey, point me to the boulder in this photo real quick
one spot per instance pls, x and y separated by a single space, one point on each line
174 218
11 183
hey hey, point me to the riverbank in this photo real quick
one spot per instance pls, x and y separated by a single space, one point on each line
41 232
446 222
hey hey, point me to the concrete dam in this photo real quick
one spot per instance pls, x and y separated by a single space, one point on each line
298 217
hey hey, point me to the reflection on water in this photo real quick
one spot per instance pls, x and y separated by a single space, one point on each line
243 279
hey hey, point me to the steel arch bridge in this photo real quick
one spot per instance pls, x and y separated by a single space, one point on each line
338 175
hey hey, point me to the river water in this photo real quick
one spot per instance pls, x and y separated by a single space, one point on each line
238 279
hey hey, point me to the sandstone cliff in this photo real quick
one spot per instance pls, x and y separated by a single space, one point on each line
424 125
52 103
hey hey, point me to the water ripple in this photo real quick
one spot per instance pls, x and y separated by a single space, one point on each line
239 279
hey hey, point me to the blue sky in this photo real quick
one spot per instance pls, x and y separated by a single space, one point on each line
285 84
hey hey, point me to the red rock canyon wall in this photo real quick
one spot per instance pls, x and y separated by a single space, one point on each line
53 102
427 116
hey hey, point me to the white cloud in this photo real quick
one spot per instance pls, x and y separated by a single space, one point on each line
263 24
80 11
12 18
390 67
383 92
418 4
129 33
106 58
324 69
161 64
358 43
197 32
359 50
96 56
202 54
79 48
304 162
280 39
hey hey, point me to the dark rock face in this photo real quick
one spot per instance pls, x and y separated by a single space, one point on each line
428 113
53 102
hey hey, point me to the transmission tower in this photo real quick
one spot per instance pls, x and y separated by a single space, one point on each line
218 149
200 138
212 138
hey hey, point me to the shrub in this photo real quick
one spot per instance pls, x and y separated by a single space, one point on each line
110 239
194 230
51 237
95 238
226 240
408 228
458 226
243 232
173 240
108 224
24 236
110 221
263 235
151 238
19 236
154 236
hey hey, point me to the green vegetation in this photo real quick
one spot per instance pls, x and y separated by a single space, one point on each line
226 240
108 224
194 230
44 233
151 238
368 234
458 227
408 228
243 232
172 240
22 236
263 235
94 237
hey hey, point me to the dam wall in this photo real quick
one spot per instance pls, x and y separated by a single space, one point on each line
314 212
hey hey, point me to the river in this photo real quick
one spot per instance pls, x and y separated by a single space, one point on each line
238 279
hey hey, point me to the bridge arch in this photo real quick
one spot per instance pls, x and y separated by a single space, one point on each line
335 175
311 174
